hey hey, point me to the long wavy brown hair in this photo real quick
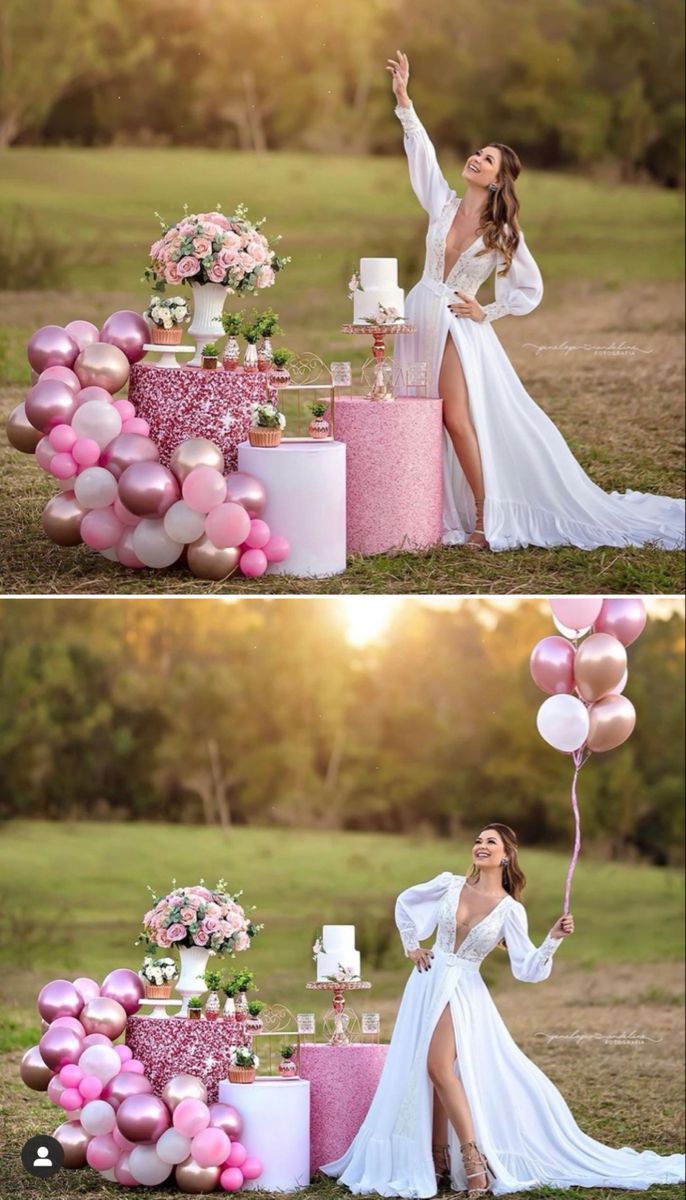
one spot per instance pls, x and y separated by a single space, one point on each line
499 226
512 877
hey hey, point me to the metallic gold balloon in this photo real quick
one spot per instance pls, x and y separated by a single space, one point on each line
183 1087
195 1180
103 1015
102 365
20 432
62 518
195 452
34 1071
74 1140
611 722
599 666
205 561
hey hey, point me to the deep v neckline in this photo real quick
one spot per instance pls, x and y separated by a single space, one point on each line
481 920
462 253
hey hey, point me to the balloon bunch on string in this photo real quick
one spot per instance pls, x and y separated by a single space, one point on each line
585 671
115 496
116 1125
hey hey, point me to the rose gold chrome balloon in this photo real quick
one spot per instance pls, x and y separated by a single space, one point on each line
62 517
127 330
20 432
125 1084
51 346
599 666
34 1072
148 489
552 665
125 986
103 1016
246 490
127 449
195 452
60 1046
59 998
611 722
228 1119
74 1140
143 1118
50 402
102 365
183 1087
195 1180
84 333
624 617
205 561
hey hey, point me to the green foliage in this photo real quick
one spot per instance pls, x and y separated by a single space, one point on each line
210 350
318 408
195 1003
255 1007
269 323
232 323
281 356
287 1052
213 980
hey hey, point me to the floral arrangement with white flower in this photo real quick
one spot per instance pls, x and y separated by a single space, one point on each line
199 916
243 1056
317 948
213 248
343 975
354 285
384 315
267 416
167 311
158 971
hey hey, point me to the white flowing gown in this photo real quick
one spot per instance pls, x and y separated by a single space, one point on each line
521 1121
537 494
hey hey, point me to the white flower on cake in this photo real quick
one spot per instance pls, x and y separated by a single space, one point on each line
337 959
317 948
344 975
354 285
377 294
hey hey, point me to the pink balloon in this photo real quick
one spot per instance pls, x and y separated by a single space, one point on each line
231 1179
71 1076
143 1118
100 529
259 535
552 665
277 549
64 374
134 1066
59 998
125 552
148 489
62 438
102 1152
253 563
126 1083
237 1155
226 1117
70 1100
122 1173
191 1116
623 617
70 1023
122 1142
86 452
252 1168
51 346
62 466
122 513
97 1039
49 403
90 1087
211 1147
126 450
93 392
125 1053
55 1089
125 409
44 453
227 525
136 425
203 489
576 612
84 333
128 331
246 490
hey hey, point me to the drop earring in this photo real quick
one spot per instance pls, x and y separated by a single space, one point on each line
492 187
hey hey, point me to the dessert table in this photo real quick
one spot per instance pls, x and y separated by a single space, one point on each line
189 402
394 472
343 1080
170 1046
305 482
276 1129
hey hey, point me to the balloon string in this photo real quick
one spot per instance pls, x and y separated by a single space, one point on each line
579 759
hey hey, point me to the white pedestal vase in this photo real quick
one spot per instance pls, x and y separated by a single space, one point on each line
208 305
191 981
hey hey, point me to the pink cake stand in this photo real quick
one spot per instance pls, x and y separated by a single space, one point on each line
339 1037
378 390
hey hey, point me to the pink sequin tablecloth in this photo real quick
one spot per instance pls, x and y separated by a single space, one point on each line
190 402
179 1045
343 1080
394 472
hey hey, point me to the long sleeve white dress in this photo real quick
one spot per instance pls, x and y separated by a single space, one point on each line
521 1121
537 494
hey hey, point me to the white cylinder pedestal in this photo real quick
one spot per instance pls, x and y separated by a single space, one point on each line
276 1129
305 484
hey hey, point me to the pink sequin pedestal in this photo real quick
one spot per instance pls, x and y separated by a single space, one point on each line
179 1045
190 402
394 472
343 1080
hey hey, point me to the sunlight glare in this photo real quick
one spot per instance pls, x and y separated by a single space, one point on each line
367 617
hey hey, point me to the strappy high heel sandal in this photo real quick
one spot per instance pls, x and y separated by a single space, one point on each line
479 1164
479 530
441 1157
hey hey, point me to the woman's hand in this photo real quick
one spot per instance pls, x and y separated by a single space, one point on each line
421 959
400 72
563 926
467 307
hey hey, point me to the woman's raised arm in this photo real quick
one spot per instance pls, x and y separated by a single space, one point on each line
430 187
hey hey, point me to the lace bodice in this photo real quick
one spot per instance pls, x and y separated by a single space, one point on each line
433 906
516 293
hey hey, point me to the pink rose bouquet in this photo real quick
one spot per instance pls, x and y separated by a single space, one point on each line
199 916
212 248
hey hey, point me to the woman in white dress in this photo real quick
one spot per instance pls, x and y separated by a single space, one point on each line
456 1094
509 477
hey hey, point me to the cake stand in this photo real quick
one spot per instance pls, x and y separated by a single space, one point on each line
379 390
168 353
339 1037
159 1006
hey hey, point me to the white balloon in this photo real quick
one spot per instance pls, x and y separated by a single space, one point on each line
568 632
98 420
95 488
100 1060
173 1147
182 524
110 553
98 1117
108 1175
153 546
563 722
147 1167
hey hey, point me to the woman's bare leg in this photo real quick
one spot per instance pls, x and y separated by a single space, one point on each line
449 1089
439 1137
452 388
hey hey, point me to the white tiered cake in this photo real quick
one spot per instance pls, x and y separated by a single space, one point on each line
338 957
378 286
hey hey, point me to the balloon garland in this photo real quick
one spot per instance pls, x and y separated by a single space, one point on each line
585 671
115 496
115 1124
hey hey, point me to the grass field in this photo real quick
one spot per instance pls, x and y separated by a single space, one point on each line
602 354
606 1027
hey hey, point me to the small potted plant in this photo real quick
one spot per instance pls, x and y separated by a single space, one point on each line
229 988
252 332
166 316
195 1008
319 427
210 355
243 1064
213 980
254 1021
287 1067
158 975
280 375
232 324
267 425
245 982
269 325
